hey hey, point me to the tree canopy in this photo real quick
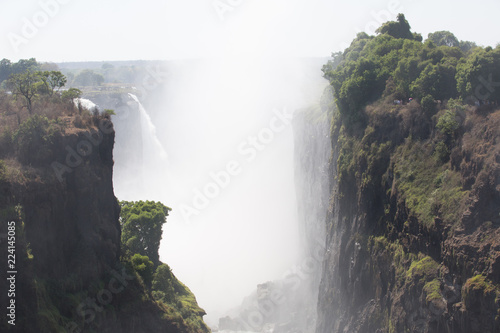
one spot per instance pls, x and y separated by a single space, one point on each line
8 68
396 62
30 84
142 223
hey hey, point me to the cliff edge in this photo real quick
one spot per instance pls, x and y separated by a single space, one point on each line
57 203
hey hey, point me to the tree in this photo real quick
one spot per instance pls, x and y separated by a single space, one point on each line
24 65
445 38
163 282
466 46
25 84
397 29
142 223
71 94
5 69
52 81
87 77
479 75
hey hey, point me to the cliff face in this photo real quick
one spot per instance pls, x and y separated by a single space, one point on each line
413 224
312 155
56 185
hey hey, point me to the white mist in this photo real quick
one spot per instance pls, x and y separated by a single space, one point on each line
225 127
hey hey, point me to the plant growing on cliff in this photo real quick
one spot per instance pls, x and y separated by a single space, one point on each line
141 234
142 223
144 267
172 292
34 138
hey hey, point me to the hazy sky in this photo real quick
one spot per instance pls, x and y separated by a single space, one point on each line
70 30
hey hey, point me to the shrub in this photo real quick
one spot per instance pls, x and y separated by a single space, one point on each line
442 152
428 104
144 267
447 123
33 139
5 142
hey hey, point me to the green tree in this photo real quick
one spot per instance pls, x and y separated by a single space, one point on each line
51 81
447 123
26 85
142 223
71 94
397 29
5 69
24 65
163 282
479 75
446 38
405 73
466 46
88 77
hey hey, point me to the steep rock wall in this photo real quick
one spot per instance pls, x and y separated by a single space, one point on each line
56 185
412 237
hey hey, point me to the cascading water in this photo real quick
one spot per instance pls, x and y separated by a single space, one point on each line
140 157
86 103
152 147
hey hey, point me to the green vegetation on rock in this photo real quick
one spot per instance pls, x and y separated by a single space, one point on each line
416 145
141 234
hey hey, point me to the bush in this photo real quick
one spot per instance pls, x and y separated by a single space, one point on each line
34 138
442 152
5 142
428 104
144 267
163 283
447 123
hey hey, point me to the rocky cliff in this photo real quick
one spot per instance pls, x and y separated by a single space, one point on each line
413 229
56 187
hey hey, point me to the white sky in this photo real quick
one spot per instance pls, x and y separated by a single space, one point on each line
151 29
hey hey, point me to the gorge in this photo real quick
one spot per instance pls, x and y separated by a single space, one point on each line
363 198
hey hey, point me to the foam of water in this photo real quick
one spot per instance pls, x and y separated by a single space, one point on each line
150 141
86 103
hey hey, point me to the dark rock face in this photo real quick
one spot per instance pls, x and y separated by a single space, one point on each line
73 224
387 271
70 278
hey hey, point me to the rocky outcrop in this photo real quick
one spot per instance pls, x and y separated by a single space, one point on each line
390 266
56 185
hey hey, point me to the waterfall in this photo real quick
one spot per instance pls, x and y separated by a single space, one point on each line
86 103
140 157
152 147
